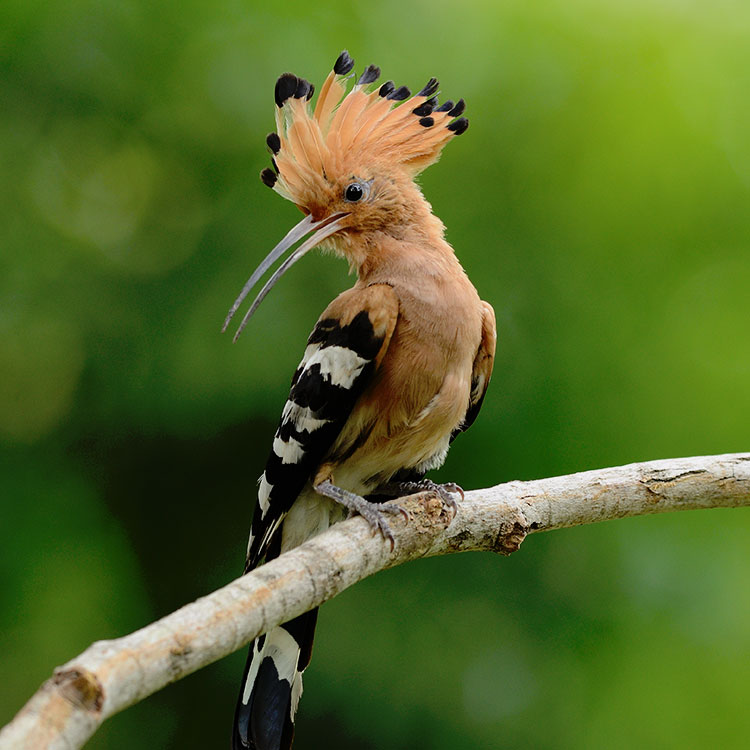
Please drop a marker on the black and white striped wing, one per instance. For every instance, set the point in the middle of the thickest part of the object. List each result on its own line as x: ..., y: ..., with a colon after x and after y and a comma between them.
x: 341, y: 356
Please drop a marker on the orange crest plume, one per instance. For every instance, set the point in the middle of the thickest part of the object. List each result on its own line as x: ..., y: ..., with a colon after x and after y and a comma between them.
x: 357, y: 133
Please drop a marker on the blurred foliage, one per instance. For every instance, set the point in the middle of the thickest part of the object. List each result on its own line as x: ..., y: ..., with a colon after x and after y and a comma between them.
x: 600, y: 201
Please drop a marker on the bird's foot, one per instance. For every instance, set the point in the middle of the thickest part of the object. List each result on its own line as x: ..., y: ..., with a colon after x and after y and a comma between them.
x: 444, y: 491
x: 373, y: 513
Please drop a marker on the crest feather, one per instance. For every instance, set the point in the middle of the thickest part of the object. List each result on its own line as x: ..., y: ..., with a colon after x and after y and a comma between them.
x: 384, y: 129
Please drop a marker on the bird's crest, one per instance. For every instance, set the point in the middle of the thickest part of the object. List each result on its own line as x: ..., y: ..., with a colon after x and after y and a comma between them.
x: 368, y: 129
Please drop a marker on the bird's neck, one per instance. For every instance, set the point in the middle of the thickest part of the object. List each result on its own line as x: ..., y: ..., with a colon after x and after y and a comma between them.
x: 388, y: 259
x: 408, y: 250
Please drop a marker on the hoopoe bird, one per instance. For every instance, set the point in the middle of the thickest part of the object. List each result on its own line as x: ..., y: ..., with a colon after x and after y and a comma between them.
x: 395, y: 367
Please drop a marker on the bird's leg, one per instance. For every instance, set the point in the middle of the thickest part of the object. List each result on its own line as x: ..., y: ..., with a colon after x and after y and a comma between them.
x: 444, y: 491
x: 373, y: 513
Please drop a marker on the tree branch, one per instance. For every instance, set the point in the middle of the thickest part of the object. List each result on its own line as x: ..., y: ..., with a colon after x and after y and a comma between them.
x: 112, y: 675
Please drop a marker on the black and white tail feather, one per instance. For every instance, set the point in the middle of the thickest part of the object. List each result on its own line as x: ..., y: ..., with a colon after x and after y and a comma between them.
x: 337, y: 365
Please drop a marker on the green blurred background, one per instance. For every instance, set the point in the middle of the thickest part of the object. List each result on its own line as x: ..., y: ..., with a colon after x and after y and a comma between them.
x: 600, y: 201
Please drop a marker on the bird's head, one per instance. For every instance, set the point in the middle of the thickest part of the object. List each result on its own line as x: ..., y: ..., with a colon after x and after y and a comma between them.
x: 349, y: 163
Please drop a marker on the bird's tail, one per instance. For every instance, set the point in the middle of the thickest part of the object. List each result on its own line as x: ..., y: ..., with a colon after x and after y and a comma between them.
x: 272, y: 685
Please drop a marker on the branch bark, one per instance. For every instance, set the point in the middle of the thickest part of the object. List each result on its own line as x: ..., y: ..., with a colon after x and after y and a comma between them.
x: 112, y: 675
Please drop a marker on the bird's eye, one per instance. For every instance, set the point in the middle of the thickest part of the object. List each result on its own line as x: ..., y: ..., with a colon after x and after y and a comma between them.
x: 354, y: 192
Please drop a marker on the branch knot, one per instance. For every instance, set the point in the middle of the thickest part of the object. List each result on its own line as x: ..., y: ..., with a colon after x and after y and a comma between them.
x: 80, y: 687
x: 511, y: 535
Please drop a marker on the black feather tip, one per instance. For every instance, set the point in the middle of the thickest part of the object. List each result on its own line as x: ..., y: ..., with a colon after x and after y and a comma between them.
x: 268, y: 177
x: 371, y: 74
x: 386, y: 88
x: 286, y: 87
x: 459, y: 126
x: 304, y: 89
x: 425, y: 108
x: 430, y: 88
x: 427, y: 122
x: 273, y: 142
x: 458, y: 109
x: 343, y: 64
x: 399, y: 94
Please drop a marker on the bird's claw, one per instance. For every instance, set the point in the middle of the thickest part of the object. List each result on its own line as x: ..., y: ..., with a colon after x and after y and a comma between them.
x: 373, y: 513
x: 444, y: 491
x: 392, y: 507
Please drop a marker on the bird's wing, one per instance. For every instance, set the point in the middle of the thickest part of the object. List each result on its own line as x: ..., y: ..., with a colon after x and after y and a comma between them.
x: 343, y: 352
x: 482, y: 369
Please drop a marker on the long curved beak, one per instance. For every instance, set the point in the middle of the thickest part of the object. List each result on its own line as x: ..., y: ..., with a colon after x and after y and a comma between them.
x: 321, y: 230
